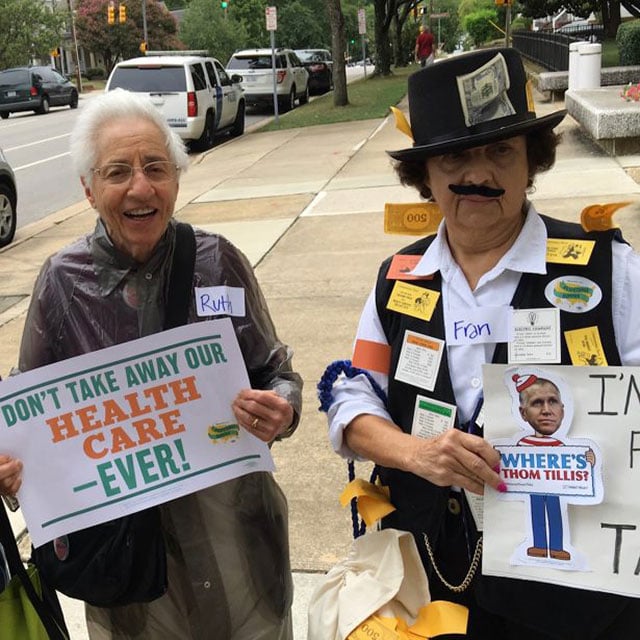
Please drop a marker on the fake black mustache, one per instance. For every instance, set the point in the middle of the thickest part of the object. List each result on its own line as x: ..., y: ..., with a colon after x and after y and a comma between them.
x: 475, y: 190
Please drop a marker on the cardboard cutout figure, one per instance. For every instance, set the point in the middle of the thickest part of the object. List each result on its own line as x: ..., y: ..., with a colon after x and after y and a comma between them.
x: 546, y: 468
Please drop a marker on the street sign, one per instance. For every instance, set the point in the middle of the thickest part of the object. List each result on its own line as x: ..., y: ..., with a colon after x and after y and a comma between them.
x: 272, y: 18
x: 362, y: 22
x: 436, y: 16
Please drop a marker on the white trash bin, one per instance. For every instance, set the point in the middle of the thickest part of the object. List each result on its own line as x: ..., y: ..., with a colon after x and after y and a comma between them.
x: 574, y: 61
x: 589, y: 65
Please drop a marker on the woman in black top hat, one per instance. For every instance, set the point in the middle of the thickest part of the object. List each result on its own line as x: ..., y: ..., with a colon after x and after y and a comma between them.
x: 478, y: 148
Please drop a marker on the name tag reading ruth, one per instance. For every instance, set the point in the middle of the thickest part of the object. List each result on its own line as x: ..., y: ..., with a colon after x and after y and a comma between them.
x: 219, y: 301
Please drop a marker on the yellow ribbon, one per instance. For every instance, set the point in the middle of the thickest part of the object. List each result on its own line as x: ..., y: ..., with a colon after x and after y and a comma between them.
x: 434, y: 619
x: 402, y: 123
x: 373, y: 500
x: 599, y: 217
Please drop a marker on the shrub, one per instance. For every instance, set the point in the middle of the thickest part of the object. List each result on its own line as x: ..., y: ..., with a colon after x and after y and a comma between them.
x: 521, y: 24
x: 95, y: 73
x: 628, y: 39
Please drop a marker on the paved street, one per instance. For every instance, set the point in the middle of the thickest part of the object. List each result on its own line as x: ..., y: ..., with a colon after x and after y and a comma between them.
x: 306, y: 206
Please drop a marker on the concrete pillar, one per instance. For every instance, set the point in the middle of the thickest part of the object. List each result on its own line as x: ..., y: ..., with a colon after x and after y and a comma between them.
x: 589, y: 65
x: 573, y: 65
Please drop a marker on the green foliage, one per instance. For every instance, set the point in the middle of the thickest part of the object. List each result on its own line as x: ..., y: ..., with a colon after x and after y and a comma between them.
x: 467, y: 7
x: 30, y: 30
x: 628, y: 40
x: 122, y: 41
x: 303, y: 26
x: 450, y: 29
x: 95, y: 73
x: 250, y: 14
x: 205, y: 26
x: 478, y: 25
x: 522, y: 23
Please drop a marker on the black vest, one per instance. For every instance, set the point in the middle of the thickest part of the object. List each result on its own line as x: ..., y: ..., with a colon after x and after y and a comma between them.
x: 422, y: 506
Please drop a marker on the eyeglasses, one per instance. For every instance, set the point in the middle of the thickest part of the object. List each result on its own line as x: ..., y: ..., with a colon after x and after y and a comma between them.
x: 158, y: 171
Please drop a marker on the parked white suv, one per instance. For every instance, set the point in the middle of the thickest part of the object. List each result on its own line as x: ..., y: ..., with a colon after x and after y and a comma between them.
x: 194, y: 92
x: 256, y: 68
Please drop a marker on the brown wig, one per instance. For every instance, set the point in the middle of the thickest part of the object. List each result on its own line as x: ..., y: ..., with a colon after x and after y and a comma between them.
x: 541, y: 156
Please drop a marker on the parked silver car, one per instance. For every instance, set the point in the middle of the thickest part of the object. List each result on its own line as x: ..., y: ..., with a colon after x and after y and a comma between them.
x: 8, y: 201
x: 256, y: 68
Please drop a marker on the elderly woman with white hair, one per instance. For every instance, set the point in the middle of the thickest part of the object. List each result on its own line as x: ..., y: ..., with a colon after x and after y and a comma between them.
x: 110, y: 287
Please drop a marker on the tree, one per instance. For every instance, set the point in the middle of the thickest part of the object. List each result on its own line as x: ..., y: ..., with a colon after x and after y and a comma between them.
x: 122, y: 41
x: 447, y: 31
x: 478, y: 25
x: 336, y: 19
x: 251, y: 15
x: 205, y: 26
x: 30, y: 31
x: 385, y: 11
x: 302, y: 26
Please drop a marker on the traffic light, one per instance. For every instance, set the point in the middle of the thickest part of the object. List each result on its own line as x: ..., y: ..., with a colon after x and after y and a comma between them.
x: 111, y: 13
x: 143, y: 47
x: 122, y: 13
x: 224, y: 4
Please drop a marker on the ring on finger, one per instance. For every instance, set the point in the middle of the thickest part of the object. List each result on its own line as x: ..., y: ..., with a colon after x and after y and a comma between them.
x: 254, y: 424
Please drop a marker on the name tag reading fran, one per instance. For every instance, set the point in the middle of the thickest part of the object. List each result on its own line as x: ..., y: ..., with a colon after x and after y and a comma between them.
x: 220, y: 301
x: 478, y: 325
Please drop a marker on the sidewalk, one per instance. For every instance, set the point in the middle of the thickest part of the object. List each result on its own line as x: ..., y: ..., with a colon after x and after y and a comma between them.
x: 305, y: 205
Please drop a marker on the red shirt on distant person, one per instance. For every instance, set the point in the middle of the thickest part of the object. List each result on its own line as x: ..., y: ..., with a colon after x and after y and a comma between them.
x: 424, y: 47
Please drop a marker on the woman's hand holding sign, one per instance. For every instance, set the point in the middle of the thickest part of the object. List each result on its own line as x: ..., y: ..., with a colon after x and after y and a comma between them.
x: 10, y: 475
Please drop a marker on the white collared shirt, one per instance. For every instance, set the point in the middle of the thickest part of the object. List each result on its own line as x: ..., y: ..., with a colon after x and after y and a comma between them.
x: 354, y: 396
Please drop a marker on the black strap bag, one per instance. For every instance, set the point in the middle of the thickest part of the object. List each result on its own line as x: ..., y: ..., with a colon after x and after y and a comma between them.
x: 122, y: 561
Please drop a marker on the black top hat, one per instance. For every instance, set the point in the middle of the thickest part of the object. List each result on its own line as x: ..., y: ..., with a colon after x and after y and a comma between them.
x: 468, y: 101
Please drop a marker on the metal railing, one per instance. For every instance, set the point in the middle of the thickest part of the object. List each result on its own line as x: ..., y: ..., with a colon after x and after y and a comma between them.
x: 551, y: 50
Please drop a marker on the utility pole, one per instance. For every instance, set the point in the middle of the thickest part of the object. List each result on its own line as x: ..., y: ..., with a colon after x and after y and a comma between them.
x: 144, y: 25
x: 75, y: 57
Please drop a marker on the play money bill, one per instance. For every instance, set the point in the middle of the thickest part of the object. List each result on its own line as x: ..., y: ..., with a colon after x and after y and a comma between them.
x: 483, y: 93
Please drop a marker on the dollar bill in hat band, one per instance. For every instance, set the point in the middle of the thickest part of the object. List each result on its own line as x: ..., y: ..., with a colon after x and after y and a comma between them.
x: 470, y: 100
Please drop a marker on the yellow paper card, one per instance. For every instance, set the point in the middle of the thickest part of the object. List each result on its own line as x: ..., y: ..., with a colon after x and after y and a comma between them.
x: 373, y: 628
x: 440, y: 617
x: 585, y: 347
x: 373, y: 500
x: 415, y: 219
x: 412, y: 300
x: 561, y: 251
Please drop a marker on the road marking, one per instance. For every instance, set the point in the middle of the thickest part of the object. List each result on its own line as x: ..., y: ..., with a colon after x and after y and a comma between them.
x: 32, y: 144
x: 33, y: 164
x: 308, y: 211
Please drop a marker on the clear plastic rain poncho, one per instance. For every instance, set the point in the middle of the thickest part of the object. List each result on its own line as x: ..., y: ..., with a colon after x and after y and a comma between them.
x: 227, y: 546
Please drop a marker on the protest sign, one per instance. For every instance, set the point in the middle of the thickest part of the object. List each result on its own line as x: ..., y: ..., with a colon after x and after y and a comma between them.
x: 571, y: 515
x: 124, y: 428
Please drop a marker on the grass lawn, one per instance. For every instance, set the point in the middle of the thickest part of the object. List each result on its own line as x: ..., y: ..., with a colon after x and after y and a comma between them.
x: 610, y: 55
x: 370, y: 98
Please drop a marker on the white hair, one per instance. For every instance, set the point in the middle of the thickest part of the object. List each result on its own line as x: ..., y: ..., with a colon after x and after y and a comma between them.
x: 110, y: 106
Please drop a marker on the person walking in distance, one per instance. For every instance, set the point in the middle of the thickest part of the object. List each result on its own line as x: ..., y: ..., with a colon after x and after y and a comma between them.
x: 424, y: 53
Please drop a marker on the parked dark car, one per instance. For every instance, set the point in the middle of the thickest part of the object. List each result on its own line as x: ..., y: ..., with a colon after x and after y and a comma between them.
x: 319, y: 65
x: 34, y: 89
x: 8, y: 202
